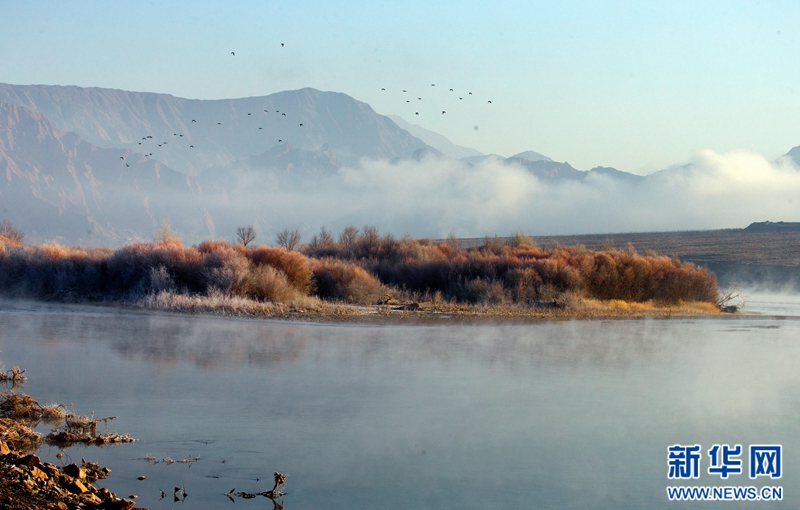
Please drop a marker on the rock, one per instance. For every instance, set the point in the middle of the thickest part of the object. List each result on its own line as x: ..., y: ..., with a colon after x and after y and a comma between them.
x: 29, y: 460
x: 75, y: 471
x: 38, y: 473
x: 76, y: 487
x: 4, y: 449
x: 122, y: 504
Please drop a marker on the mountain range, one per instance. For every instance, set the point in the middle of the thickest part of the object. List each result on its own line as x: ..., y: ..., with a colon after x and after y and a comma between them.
x: 99, y: 166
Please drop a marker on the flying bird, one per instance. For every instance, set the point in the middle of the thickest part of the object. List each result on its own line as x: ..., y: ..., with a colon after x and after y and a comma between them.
x: 383, y: 90
x: 460, y: 98
x: 301, y: 125
x: 433, y: 85
x: 194, y: 120
x: 279, y: 141
x: 408, y: 101
x: 470, y: 93
x: 451, y: 90
x: 443, y: 112
x: 404, y: 90
x: 219, y: 123
x: 261, y: 128
x: 127, y: 164
x: 416, y: 113
x: 281, y: 45
x: 234, y: 54
x: 490, y: 102
x: 121, y: 157
x: 191, y: 146
x: 248, y: 114
x: 283, y: 114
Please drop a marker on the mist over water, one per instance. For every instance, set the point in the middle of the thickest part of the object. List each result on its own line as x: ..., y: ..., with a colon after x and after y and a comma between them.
x: 433, y: 197
x: 572, y: 414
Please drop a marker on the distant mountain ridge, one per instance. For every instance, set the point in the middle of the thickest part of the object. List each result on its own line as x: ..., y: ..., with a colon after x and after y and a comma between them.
x: 58, y: 185
x: 435, y: 140
x: 220, y: 131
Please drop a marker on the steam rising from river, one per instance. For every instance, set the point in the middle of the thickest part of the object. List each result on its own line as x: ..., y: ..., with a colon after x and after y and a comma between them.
x: 433, y: 197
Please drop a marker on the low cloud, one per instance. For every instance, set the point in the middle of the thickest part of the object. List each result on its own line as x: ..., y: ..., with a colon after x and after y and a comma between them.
x: 432, y: 197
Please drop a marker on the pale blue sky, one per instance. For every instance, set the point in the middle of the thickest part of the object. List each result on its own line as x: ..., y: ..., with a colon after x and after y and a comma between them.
x: 634, y: 85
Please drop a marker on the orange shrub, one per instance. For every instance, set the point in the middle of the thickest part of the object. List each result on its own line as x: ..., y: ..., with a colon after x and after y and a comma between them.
x: 295, y: 266
x: 345, y: 281
x: 265, y: 283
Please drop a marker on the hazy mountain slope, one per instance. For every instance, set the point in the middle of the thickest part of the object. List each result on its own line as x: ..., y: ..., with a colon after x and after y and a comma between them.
x: 56, y: 185
x: 435, y: 140
x: 532, y: 156
x: 223, y: 131
x: 794, y: 155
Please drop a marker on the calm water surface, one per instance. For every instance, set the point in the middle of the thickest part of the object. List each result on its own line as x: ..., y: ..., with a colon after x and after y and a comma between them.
x: 553, y: 415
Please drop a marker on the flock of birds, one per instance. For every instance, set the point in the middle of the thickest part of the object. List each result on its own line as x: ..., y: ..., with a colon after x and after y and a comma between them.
x: 147, y: 140
x: 416, y: 113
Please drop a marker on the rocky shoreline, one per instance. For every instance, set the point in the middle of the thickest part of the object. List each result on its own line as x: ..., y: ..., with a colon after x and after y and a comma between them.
x: 28, y: 483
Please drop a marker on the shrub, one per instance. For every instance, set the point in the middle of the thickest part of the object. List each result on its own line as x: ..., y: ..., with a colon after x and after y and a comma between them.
x: 344, y: 281
x: 265, y: 283
x: 295, y: 266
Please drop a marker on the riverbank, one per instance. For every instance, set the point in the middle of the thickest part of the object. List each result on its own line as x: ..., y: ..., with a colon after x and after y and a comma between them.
x: 26, y: 482
x: 431, y: 312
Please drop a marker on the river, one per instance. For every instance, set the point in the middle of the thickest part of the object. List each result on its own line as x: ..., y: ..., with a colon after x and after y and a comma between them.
x: 572, y: 414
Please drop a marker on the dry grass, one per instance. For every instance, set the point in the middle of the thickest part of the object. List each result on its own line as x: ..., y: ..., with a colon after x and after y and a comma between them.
x: 224, y: 304
x: 15, y: 375
x: 83, y: 429
x: 18, y: 406
x: 18, y: 435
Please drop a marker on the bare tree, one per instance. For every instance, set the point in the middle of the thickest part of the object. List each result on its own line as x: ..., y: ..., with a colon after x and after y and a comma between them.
x: 289, y: 239
x: 10, y: 231
x: 246, y: 235
x: 348, y: 238
x: 165, y: 233
x: 322, y: 240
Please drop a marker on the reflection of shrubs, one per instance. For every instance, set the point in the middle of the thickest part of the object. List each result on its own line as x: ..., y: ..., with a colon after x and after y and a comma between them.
x: 344, y: 281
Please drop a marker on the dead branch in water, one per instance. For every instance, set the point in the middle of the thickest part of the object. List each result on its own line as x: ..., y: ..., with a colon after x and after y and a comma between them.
x: 15, y: 375
x: 83, y: 429
x: 732, y: 301
x: 280, y: 481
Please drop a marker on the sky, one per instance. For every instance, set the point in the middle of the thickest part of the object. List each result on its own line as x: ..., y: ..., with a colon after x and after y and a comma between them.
x: 639, y: 86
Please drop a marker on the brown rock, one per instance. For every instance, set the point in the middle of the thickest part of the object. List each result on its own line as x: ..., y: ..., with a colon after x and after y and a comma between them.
x: 76, y: 487
x: 4, y: 449
x: 121, y: 504
x: 38, y: 473
x: 29, y: 460
x: 75, y: 471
